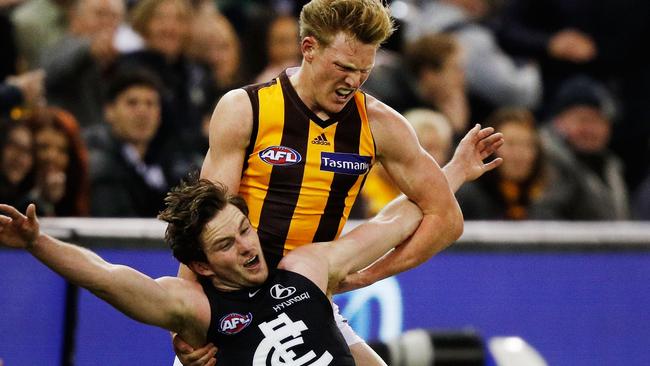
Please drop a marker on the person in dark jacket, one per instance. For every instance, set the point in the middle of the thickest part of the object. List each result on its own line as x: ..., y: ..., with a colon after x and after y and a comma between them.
x: 127, y: 175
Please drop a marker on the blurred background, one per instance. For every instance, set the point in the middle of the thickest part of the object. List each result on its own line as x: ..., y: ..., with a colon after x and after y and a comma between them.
x: 105, y: 104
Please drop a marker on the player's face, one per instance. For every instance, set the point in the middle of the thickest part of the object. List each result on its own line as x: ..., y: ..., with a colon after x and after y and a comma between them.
x: 233, y: 251
x: 338, y: 70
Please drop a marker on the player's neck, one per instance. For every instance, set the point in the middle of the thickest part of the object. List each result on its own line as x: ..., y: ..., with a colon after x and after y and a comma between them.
x: 301, y: 84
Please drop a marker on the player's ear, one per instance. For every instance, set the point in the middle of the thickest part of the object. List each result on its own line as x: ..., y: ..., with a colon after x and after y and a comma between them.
x: 308, y: 47
x: 201, y: 268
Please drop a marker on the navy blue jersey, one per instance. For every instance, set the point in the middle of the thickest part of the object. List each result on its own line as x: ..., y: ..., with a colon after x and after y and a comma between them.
x: 287, y: 320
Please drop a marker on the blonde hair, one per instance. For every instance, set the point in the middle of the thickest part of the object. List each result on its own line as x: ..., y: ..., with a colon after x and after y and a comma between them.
x: 368, y: 21
x: 423, y: 118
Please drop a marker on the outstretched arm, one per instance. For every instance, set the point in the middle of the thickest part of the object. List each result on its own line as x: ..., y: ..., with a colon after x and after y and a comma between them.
x: 326, y: 264
x: 157, y: 302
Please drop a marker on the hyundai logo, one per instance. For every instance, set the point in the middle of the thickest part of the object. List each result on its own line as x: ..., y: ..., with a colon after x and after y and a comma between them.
x: 280, y: 292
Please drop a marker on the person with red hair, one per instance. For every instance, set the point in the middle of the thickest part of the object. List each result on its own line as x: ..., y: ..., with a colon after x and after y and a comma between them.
x: 61, y: 161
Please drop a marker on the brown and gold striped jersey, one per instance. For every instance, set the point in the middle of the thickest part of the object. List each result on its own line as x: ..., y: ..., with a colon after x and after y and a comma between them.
x: 302, y: 174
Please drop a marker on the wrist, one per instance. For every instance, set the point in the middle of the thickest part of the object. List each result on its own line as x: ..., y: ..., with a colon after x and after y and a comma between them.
x: 33, y: 243
x: 455, y: 174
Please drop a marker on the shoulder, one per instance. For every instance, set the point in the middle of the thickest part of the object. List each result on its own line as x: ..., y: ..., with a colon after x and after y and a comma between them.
x: 389, y: 128
x: 236, y: 98
x: 233, y: 109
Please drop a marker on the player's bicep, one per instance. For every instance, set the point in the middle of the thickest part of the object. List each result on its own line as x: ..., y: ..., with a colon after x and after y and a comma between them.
x: 412, y: 169
x: 230, y: 132
x: 141, y: 297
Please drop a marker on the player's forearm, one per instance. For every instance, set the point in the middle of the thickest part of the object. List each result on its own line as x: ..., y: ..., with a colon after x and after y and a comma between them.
x: 432, y: 236
x: 78, y: 265
x: 455, y: 175
x: 371, y: 240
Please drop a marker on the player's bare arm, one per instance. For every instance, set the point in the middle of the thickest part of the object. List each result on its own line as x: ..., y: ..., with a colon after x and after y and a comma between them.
x: 326, y: 264
x: 169, y: 302
x: 417, y: 175
x: 230, y: 130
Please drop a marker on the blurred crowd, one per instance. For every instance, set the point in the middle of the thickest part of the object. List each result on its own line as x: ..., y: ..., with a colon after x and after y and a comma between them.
x: 105, y: 104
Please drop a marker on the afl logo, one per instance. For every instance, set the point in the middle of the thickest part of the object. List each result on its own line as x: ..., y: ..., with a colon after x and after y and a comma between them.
x: 280, y: 292
x: 234, y: 323
x: 280, y: 155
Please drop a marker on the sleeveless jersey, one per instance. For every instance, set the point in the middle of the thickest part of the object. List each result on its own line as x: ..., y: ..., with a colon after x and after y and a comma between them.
x: 302, y: 174
x: 286, y: 321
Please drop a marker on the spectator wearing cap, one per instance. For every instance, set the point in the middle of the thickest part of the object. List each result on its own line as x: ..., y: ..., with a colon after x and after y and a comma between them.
x: 576, y: 140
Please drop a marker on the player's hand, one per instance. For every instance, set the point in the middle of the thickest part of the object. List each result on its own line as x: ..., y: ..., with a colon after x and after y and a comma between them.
x: 189, y: 356
x: 16, y: 229
x: 475, y: 147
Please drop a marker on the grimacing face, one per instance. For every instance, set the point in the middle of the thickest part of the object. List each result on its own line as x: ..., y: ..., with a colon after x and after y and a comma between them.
x: 233, y: 250
x: 336, y: 72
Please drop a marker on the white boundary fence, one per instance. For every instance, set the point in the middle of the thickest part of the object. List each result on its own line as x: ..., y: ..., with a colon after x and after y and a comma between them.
x: 488, y: 235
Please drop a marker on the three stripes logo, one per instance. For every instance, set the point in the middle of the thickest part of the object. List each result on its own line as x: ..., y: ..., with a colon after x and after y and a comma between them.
x: 320, y: 140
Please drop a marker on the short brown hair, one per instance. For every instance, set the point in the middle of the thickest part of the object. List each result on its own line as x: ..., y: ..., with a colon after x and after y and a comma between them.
x: 369, y: 21
x: 430, y: 51
x: 189, y: 206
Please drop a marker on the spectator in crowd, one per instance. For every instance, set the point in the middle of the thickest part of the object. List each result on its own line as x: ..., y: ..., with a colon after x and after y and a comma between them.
x: 576, y: 140
x: 61, y: 185
x: 127, y: 174
x: 282, y: 47
x: 434, y: 79
x: 78, y: 65
x: 522, y: 187
x: 165, y: 27
x: 435, y: 135
x: 216, y: 45
x: 38, y: 25
x: 493, y: 77
x: 24, y: 90
x: 16, y: 161
x: 601, y: 39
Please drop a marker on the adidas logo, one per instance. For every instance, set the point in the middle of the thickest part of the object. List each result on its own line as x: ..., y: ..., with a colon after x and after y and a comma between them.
x: 320, y: 140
